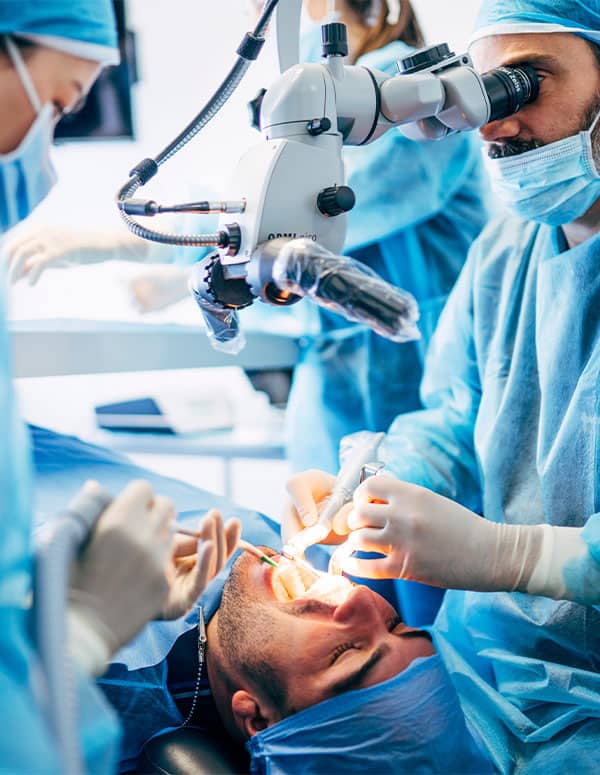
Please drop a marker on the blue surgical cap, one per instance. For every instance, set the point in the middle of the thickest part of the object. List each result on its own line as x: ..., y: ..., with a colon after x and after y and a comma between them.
x: 83, y: 28
x: 411, y: 723
x: 502, y: 17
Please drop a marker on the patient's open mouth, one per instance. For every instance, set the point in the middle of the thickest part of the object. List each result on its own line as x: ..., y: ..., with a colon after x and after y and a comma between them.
x: 293, y: 581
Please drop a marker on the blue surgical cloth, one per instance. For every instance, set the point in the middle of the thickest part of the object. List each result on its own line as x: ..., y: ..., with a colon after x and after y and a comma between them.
x: 511, y: 429
x: 418, y: 208
x: 26, y: 744
x: 411, y: 723
x: 501, y: 17
x: 83, y: 28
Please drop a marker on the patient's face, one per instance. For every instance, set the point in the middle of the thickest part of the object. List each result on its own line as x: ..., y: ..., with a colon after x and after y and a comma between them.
x: 314, y: 643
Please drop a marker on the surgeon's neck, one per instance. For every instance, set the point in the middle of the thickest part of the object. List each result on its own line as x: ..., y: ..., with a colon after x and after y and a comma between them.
x: 583, y: 228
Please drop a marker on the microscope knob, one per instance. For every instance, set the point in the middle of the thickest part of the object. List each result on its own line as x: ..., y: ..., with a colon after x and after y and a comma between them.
x: 336, y: 200
x: 229, y: 294
x: 318, y: 126
x: 254, y: 107
x: 424, y: 58
x: 335, y: 39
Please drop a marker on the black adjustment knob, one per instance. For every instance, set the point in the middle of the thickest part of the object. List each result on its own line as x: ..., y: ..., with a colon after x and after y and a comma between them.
x: 254, y: 107
x: 335, y: 40
x: 424, y: 58
x: 336, y: 200
x: 317, y: 126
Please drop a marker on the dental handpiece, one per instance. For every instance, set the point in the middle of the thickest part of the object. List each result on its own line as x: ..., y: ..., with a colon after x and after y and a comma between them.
x: 346, y: 482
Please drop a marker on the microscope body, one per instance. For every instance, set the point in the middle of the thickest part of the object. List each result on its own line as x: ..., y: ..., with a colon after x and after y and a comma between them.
x: 293, y: 183
x: 288, y: 192
x: 281, y: 178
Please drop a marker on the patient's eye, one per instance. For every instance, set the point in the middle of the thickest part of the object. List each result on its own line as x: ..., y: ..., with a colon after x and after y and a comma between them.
x: 342, y: 650
x: 394, y: 622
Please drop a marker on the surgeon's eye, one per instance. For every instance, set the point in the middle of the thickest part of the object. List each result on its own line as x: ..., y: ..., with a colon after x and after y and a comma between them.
x: 342, y: 650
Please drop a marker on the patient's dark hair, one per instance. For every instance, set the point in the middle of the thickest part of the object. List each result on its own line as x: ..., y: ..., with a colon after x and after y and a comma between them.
x: 240, y: 629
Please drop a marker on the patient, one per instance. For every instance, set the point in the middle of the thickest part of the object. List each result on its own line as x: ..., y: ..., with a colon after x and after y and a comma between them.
x: 283, y: 645
x: 268, y: 659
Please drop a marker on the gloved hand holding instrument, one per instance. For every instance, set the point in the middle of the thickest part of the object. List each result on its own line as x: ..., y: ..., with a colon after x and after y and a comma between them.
x: 428, y: 538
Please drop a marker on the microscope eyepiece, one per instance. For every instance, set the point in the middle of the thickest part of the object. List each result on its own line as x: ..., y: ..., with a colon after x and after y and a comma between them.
x: 509, y: 88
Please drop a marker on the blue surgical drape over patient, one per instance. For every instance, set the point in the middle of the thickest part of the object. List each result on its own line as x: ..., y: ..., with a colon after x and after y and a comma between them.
x: 418, y: 208
x: 512, y: 428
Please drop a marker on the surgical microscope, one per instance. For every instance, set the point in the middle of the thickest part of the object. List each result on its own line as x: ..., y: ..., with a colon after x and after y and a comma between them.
x: 283, y: 225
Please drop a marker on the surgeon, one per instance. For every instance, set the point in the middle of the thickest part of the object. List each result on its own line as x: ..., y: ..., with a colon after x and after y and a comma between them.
x: 130, y: 570
x: 510, y: 427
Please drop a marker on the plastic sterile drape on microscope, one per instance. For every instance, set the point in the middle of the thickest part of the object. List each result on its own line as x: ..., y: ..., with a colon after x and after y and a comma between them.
x: 346, y: 287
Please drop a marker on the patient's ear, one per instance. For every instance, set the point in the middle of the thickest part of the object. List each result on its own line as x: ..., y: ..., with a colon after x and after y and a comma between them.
x: 250, y: 714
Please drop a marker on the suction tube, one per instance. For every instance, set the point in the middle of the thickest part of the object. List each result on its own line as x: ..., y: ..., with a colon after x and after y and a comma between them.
x: 57, y: 546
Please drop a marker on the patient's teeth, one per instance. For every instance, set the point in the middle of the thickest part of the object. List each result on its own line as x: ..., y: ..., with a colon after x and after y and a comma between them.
x: 330, y: 589
x: 292, y: 581
x: 288, y: 576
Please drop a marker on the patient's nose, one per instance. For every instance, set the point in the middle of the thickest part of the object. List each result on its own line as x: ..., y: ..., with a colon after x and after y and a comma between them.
x: 360, y: 611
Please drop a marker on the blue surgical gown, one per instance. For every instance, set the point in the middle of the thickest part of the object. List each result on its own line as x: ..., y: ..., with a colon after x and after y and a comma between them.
x: 418, y: 208
x: 26, y: 743
x: 511, y: 428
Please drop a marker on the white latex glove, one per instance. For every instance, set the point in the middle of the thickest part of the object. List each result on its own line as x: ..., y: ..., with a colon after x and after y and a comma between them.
x: 426, y: 537
x: 159, y: 287
x: 119, y: 581
x: 308, y: 493
x: 195, y: 562
x: 29, y: 253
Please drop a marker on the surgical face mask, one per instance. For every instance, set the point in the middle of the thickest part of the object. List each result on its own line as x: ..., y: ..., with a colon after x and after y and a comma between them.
x: 554, y: 184
x: 26, y: 174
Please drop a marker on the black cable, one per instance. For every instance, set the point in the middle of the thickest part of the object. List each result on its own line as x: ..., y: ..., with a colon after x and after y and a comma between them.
x: 247, y: 52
